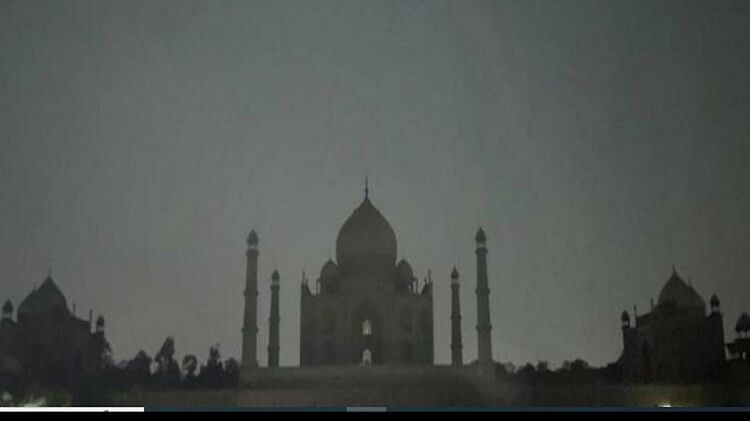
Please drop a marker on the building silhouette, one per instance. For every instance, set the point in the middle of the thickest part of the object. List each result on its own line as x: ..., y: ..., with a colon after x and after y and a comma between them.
x: 47, y: 344
x: 739, y: 349
x: 676, y: 341
x: 365, y: 308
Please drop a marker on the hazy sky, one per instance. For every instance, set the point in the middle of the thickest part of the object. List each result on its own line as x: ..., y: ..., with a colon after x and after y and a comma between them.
x: 597, y: 142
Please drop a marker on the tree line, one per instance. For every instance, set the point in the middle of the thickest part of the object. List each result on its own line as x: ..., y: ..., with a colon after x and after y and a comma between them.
x: 164, y: 372
x: 575, y: 371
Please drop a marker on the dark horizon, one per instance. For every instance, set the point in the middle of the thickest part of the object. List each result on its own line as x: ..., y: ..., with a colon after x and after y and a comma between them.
x: 597, y: 143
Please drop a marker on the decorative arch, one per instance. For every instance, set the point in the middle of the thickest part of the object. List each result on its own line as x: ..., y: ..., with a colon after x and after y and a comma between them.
x: 329, y: 353
x: 366, y: 327
x: 366, y: 357
x: 646, y: 373
x: 406, y: 352
x: 405, y: 320
x: 329, y: 321
x: 426, y: 320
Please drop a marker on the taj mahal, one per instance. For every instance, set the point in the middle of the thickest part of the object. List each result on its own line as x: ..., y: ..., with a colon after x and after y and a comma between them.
x: 365, y: 308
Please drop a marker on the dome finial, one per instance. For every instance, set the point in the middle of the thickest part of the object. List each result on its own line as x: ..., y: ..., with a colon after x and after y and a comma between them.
x: 7, y: 309
x: 367, y: 188
x: 674, y: 270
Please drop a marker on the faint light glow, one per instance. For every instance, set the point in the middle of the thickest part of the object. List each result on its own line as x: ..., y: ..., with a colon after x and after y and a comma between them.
x: 36, y: 402
x: 665, y: 405
x: 366, y: 328
x: 5, y: 398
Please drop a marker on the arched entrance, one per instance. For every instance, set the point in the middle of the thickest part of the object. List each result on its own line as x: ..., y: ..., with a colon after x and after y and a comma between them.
x: 646, y: 363
x: 366, y: 335
x: 366, y: 328
x: 366, y: 357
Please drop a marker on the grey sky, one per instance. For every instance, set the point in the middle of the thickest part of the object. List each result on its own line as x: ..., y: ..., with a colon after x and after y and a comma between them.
x: 597, y: 142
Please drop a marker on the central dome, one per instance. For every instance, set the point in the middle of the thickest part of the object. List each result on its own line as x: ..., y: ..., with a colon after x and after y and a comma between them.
x: 366, y: 242
x: 48, y: 299
x: 679, y: 294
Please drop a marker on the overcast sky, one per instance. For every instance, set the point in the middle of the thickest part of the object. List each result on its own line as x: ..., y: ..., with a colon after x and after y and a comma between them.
x: 597, y: 143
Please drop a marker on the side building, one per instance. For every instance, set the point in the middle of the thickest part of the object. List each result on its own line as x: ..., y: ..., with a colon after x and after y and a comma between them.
x: 676, y: 342
x: 47, y: 344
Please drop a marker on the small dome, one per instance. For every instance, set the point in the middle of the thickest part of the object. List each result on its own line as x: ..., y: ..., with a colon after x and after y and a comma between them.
x: 252, y: 239
x: 8, y: 307
x: 743, y: 323
x: 625, y: 317
x: 714, y: 301
x: 329, y: 270
x: 45, y: 300
x: 454, y: 273
x: 275, y: 275
x: 404, y: 271
x: 679, y: 294
x: 481, y: 237
x: 100, y: 321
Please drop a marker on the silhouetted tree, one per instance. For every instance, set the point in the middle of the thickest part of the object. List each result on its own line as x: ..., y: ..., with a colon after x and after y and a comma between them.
x: 189, y: 367
x: 212, y: 374
x: 578, y: 366
x: 612, y: 373
x: 578, y: 371
x: 527, y: 373
x: 231, y: 373
x: 93, y: 386
x: 167, y: 371
x: 139, y: 370
x: 105, y: 356
x: 504, y: 369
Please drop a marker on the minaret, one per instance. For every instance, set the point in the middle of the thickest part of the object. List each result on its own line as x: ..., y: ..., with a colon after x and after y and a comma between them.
x: 625, y: 326
x: 273, y: 333
x: 250, y: 320
x: 100, y: 325
x: 625, y: 323
x: 6, y: 326
x: 7, y: 310
x: 483, y: 303
x: 457, y: 358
